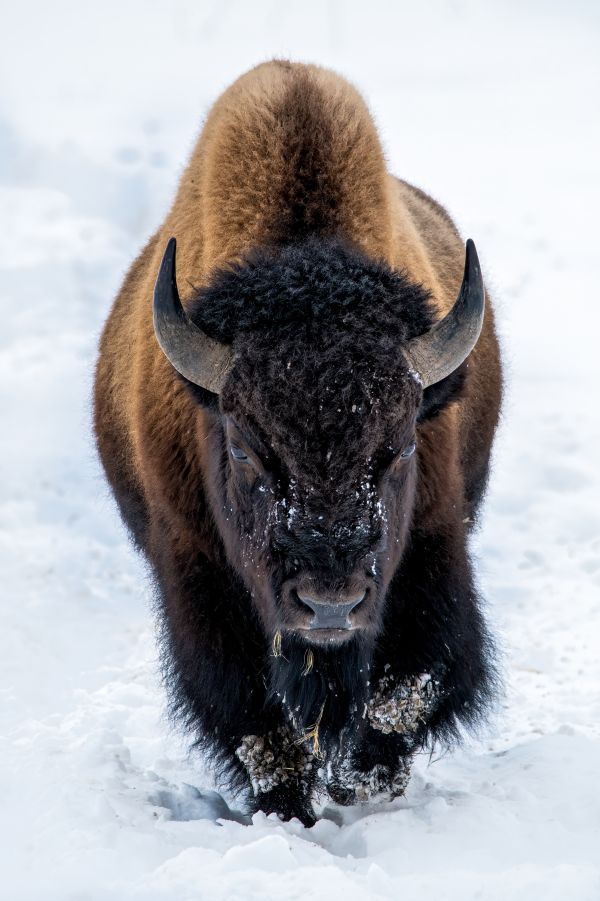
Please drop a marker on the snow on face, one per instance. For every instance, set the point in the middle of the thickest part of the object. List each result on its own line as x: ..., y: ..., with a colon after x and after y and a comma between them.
x: 326, y: 427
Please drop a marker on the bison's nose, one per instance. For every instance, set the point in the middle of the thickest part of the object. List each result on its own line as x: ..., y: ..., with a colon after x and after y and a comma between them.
x: 329, y: 613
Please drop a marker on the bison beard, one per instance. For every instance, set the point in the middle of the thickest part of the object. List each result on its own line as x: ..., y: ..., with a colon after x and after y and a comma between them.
x: 327, y: 697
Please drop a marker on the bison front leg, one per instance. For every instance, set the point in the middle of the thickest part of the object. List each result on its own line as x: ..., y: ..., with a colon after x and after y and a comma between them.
x: 377, y: 763
x: 282, y: 774
x: 433, y: 671
x: 378, y: 769
x: 215, y: 657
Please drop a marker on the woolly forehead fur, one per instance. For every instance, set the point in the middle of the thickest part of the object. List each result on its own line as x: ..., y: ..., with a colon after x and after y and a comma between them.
x: 318, y: 331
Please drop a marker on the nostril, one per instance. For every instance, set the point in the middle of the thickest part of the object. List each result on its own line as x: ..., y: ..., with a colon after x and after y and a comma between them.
x: 304, y: 600
x: 351, y: 603
x: 356, y: 600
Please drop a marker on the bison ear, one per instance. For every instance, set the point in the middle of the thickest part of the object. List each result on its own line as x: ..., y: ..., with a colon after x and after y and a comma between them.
x: 444, y: 347
x: 200, y: 359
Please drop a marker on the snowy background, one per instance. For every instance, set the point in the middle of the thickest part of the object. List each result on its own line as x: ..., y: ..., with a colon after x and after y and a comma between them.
x: 493, y: 109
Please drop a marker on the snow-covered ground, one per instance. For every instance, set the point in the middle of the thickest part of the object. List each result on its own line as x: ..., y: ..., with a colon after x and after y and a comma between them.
x: 492, y: 108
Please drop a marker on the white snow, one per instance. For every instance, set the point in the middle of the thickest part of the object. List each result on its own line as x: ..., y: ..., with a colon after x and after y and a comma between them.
x: 491, y: 107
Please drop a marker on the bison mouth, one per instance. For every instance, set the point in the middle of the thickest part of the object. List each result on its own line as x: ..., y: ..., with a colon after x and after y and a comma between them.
x: 325, y: 637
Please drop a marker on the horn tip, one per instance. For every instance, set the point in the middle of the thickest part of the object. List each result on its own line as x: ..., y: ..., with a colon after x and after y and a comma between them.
x: 471, y: 249
x: 472, y: 264
x: 169, y: 253
x: 167, y: 266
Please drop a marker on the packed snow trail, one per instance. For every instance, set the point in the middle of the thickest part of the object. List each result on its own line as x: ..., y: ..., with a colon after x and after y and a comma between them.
x: 487, y: 106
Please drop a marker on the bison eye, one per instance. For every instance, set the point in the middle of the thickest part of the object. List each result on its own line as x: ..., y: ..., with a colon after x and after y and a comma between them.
x: 408, y: 451
x: 238, y: 454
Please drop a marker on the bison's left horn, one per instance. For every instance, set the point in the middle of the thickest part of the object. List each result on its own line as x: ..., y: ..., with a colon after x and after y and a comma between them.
x: 201, y: 359
x: 444, y: 347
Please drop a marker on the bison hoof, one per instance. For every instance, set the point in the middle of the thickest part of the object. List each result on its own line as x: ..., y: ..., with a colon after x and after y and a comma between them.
x: 381, y: 783
x: 286, y: 805
x: 341, y: 794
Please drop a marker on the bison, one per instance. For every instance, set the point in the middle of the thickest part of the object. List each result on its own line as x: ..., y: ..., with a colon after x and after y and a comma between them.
x: 297, y: 427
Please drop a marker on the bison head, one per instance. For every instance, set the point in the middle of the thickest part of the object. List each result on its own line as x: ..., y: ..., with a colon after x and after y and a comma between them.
x: 319, y: 365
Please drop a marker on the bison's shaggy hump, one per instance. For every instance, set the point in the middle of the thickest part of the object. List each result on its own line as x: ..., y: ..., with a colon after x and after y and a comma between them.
x: 291, y: 151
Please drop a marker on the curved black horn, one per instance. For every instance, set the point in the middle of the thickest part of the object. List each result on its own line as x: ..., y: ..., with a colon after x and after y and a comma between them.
x: 444, y: 347
x: 201, y: 359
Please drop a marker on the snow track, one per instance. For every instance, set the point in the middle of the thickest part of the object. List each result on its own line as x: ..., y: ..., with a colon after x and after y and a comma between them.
x: 487, y: 106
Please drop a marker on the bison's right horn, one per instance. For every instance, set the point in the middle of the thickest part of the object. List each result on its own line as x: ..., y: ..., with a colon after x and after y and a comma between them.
x: 443, y: 348
x: 200, y: 359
